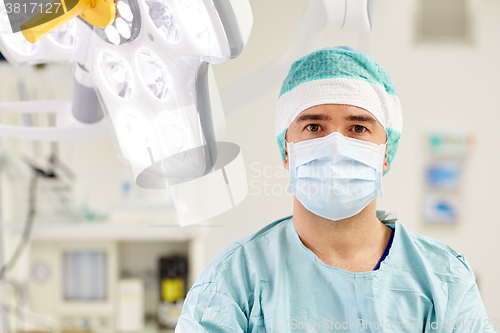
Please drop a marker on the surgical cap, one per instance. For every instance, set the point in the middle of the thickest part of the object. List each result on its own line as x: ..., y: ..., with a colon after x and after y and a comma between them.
x: 340, y: 75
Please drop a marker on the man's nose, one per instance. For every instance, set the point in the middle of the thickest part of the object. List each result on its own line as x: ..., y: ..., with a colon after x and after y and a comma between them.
x: 340, y: 130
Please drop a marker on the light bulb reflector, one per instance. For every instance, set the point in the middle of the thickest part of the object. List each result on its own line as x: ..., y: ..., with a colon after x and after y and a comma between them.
x: 66, y: 35
x: 124, y: 11
x: 20, y: 45
x: 16, y: 41
x: 134, y: 136
x: 172, y: 131
x: 154, y: 74
x: 116, y: 74
x: 164, y: 20
x: 123, y: 28
x: 112, y: 35
x: 194, y: 15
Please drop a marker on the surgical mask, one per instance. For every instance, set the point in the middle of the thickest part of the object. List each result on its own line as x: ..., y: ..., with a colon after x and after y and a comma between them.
x: 334, y: 176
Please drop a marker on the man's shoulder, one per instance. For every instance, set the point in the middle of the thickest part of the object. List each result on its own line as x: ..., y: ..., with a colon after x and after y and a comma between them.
x: 272, y: 229
x: 428, y: 243
x: 241, y: 253
x: 442, y: 260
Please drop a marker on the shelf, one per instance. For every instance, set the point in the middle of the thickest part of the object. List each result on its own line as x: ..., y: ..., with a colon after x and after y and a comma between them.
x: 109, y: 231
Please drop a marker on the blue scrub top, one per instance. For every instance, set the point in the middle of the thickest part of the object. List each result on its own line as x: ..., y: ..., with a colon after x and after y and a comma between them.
x: 270, y: 282
x: 386, y: 251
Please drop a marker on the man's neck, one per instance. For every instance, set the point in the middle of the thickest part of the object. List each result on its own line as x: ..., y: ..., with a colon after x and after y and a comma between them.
x: 354, y: 244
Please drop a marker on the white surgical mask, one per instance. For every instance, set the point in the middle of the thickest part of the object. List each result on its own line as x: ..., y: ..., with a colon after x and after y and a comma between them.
x: 334, y: 176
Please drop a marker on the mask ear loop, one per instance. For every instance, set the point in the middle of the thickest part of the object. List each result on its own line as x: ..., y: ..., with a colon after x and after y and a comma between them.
x: 380, y: 191
x: 291, y: 168
x: 385, y: 145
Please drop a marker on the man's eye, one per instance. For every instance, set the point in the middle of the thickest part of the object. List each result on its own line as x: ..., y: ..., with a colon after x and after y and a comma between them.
x: 313, y: 127
x: 359, y: 129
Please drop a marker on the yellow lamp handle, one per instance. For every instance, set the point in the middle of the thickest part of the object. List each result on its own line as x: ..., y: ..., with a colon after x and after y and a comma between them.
x: 47, y: 21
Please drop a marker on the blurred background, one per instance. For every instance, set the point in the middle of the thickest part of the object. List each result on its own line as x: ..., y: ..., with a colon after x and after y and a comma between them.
x: 105, y: 255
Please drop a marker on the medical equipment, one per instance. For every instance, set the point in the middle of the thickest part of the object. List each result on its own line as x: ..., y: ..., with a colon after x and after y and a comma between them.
x: 446, y: 167
x: 173, y: 278
x: 442, y: 208
x: 149, y: 73
x: 445, y: 21
x: 74, y: 120
x: 75, y: 282
x: 126, y: 258
x: 14, y: 298
x: 130, y: 306
x: 48, y: 189
x: 173, y: 281
x: 444, y: 175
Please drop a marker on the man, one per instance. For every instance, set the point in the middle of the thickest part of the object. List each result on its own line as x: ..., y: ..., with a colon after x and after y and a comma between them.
x: 336, y: 263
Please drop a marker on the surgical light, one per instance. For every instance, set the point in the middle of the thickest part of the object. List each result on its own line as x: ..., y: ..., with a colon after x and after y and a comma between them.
x: 124, y: 11
x: 16, y: 42
x: 99, y: 13
x: 134, y: 133
x: 123, y: 28
x: 164, y: 20
x: 19, y: 45
x: 203, y: 30
x: 112, y: 35
x: 76, y: 120
x: 126, y: 27
x: 169, y: 125
x: 154, y: 74
x: 59, y: 47
x: 65, y: 36
x: 116, y: 73
x: 169, y: 122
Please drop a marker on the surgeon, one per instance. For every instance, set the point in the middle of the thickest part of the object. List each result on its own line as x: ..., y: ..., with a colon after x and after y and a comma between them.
x: 336, y: 264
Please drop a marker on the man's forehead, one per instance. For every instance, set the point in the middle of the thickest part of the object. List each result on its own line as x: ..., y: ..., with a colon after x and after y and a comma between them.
x: 327, y: 112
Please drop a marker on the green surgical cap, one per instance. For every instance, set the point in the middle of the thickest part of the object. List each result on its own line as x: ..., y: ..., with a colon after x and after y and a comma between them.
x: 340, y: 75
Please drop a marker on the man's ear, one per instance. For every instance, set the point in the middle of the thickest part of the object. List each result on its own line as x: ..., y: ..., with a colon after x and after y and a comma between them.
x: 385, y: 167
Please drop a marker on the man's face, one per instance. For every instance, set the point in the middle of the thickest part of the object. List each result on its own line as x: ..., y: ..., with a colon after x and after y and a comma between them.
x: 348, y: 120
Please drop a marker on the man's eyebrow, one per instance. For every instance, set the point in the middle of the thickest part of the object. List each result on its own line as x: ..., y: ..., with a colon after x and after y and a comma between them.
x: 361, y: 118
x: 312, y: 116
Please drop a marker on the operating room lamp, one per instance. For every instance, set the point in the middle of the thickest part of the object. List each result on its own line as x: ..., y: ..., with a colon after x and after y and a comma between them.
x: 148, y: 73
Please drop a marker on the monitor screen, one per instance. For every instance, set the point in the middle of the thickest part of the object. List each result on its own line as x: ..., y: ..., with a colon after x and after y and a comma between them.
x: 85, y: 276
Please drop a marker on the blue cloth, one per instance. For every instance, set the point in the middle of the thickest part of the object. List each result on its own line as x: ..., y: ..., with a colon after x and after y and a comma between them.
x: 386, y: 251
x: 270, y: 282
